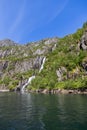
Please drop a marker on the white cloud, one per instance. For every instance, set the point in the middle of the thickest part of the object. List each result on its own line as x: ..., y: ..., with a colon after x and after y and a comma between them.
x: 32, y: 20
x: 58, y: 10
x: 19, y: 18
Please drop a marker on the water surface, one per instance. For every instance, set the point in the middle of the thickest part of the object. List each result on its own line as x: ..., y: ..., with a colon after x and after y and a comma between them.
x: 42, y: 112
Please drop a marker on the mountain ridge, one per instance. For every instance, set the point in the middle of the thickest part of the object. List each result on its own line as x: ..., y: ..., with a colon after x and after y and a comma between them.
x: 64, y: 68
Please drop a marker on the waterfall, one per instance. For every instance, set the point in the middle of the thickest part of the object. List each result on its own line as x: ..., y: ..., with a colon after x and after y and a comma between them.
x: 33, y: 77
x: 43, y: 62
x: 28, y: 82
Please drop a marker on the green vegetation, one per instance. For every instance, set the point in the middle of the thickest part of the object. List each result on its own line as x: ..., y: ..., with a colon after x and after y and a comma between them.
x: 78, y: 83
x: 67, y: 57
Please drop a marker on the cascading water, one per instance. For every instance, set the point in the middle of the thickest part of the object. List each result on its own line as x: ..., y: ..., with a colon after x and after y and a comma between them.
x: 33, y: 77
x: 28, y: 82
x: 43, y: 62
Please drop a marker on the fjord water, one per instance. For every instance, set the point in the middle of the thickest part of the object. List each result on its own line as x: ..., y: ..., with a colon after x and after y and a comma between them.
x: 42, y: 112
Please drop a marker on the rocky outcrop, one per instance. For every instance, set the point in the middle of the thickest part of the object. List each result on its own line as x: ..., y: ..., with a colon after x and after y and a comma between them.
x: 3, y: 65
x: 37, y: 62
x: 23, y: 66
x: 60, y: 73
x: 40, y: 52
x: 19, y: 62
x: 59, y: 91
x: 51, y: 40
x: 84, y: 64
x: 4, y: 53
x: 48, y: 46
x: 83, y: 42
x: 7, y: 42
x: 54, y: 47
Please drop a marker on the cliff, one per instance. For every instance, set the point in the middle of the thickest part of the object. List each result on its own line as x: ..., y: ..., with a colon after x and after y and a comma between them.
x: 65, y: 65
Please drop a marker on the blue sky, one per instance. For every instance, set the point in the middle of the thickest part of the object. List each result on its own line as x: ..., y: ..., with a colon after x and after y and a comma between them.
x: 32, y: 20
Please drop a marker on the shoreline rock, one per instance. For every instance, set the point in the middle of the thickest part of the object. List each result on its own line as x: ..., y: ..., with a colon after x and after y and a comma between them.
x: 53, y: 91
x: 58, y: 91
x: 4, y: 90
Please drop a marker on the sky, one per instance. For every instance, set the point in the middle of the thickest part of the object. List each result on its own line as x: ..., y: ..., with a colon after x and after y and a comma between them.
x: 26, y: 21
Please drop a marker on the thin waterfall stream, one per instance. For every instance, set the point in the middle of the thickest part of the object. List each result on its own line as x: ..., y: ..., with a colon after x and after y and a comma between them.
x: 42, y: 66
x: 28, y: 82
x: 33, y: 77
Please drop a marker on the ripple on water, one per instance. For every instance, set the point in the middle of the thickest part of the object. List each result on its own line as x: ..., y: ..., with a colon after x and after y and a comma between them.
x: 42, y: 112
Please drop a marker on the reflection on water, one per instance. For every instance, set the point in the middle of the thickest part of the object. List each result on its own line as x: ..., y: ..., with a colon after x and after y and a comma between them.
x: 42, y: 112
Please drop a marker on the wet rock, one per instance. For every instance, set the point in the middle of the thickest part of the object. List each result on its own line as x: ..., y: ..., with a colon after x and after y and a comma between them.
x: 63, y: 91
x: 70, y: 91
x: 45, y: 91
x: 37, y: 62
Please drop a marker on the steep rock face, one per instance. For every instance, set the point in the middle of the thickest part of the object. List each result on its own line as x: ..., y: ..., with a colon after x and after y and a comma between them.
x: 37, y: 62
x: 23, y: 66
x: 83, y: 42
x: 18, y: 62
x: 63, y: 63
x: 5, y: 53
x: 20, y: 66
x: 26, y: 65
x: 3, y: 65
x: 60, y: 73
x: 48, y: 45
x: 84, y: 64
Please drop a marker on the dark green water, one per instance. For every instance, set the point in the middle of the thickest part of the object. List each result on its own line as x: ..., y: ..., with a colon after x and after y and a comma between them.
x: 42, y: 112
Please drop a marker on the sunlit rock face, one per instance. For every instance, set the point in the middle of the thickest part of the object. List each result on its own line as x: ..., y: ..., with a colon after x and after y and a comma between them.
x: 60, y: 73
x: 19, y: 62
x: 48, y: 62
x: 7, y: 42
x: 51, y: 40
